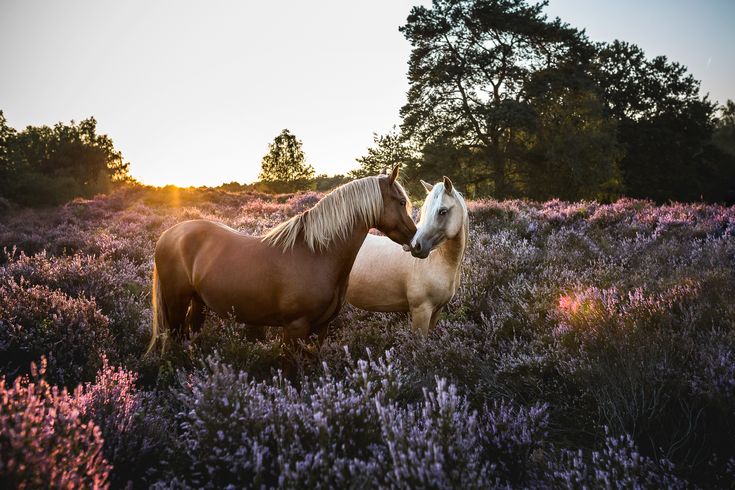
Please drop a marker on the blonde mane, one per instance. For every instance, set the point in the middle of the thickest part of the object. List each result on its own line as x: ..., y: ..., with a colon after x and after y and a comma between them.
x: 333, y: 217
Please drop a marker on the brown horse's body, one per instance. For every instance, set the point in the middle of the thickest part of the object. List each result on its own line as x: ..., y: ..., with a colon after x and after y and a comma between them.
x: 297, y: 285
x: 259, y: 284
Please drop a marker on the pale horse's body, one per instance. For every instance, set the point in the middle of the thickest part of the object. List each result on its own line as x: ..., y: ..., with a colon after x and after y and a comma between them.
x: 423, y: 285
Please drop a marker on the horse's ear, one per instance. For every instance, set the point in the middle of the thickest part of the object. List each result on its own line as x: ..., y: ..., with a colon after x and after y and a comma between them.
x: 383, y: 172
x: 448, y: 185
x: 394, y: 173
x: 427, y: 186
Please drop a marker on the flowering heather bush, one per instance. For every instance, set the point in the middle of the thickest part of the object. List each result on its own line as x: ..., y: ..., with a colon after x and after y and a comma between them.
x: 129, y: 421
x: 303, y: 201
x: 347, y: 430
x: 618, y: 465
x: 36, y: 321
x: 119, y: 288
x: 588, y: 345
x: 44, y: 442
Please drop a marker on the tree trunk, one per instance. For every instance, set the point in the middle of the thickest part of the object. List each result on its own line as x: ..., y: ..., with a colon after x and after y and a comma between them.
x: 497, y: 161
x: 501, y: 184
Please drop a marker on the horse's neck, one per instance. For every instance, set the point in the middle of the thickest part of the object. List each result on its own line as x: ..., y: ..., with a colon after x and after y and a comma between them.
x: 346, y: 250
x: 451, y: 252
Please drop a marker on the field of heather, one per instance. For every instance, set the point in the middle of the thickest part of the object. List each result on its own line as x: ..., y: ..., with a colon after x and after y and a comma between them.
x: 589, y: 346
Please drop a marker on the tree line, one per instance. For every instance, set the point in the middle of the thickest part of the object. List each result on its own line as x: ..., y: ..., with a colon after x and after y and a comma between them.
x: 43, y: 165
x: 514, y: 104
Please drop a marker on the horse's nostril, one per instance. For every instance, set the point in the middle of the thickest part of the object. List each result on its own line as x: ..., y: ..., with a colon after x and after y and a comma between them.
x: 417, y: 247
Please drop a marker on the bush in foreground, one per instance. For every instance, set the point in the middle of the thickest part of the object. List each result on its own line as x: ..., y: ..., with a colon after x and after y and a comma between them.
x: 36, y: 321
x: 345, y: 430
x: 44, y: 442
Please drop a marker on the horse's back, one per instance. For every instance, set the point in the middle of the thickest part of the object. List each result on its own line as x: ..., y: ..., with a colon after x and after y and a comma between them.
x: 379, y: 276
x: 190, y: 233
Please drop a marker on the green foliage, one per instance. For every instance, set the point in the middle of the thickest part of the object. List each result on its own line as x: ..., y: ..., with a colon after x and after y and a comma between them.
x: 468, y: 73
x: 724, y: 135
x: 390, y: 148
x: 723, y: 141
x: 44, y: 165
x: 664, y: 125
x: 574, y: 151
x: 284, y: 167
x: 511, y: 103
x: 325, y: 183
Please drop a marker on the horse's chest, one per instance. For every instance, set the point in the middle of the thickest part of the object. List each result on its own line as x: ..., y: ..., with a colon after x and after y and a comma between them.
x: 436, y: 288
x: 444, y: 295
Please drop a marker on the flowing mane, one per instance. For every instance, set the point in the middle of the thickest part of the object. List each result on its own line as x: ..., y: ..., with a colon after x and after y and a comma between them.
x: 333, y: 217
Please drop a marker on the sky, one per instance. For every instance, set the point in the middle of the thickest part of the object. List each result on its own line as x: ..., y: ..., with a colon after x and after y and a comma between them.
x: 192, y: 92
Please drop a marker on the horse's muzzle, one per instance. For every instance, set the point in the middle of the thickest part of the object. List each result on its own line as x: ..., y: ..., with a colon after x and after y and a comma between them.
x: 419, y: 249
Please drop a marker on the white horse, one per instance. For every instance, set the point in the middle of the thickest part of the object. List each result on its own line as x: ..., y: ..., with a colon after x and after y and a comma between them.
x: 385, y: 278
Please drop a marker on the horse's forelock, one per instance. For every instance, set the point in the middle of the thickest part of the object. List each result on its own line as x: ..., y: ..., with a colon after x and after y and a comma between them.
x: 433, y: 200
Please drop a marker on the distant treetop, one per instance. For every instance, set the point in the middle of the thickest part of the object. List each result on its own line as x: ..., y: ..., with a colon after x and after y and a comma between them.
x: 284, y: 166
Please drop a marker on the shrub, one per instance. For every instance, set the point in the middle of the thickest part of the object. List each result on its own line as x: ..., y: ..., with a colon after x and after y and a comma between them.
x: 347, y: 430
x: 570, y: 317
x: 119, y: 288
x: 233, y: 344
x: 131, y: 422
x: 619, y: 465
x: 43, y: 440
x: 36, y: 321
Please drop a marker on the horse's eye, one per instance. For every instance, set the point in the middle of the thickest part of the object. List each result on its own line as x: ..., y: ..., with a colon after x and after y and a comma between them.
x: 443, y: 211
x: 403, y: 202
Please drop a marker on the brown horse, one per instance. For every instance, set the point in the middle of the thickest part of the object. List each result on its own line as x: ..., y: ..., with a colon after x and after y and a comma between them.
x: 295, y: 276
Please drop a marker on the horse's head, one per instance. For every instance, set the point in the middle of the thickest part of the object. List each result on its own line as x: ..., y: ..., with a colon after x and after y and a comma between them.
x: 395, y: 221
x: 442, y: 217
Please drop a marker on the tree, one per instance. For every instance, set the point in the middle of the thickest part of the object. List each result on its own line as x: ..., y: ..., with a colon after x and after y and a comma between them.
x: 470, y: 70
x: 465, y: 165
x: 724, y: 136
x: 325, y: 183
x: 574, y: 152
x: 664, y: 125
x: 44, y: 165
x: 284, y: 167
x: 721, y: 185
x: 388, y: 149
x: 7, y: 163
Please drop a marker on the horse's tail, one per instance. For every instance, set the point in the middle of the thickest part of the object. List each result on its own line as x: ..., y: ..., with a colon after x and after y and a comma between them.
x: 160, y: 323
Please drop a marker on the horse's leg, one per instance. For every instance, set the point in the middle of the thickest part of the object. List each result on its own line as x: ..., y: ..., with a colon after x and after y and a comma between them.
x: 435, y: 318
x: 195, y: 316
x: 177, y: 306
x: 176, y: 294
x: 292, y: 333
x: 295, y: 331
x: 321, y: 332
x: 421, y: 317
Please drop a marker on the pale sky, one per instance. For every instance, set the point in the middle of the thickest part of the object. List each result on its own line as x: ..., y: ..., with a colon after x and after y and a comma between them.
x: 193, y: 92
